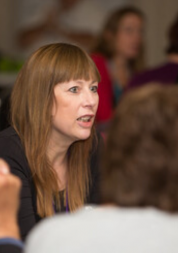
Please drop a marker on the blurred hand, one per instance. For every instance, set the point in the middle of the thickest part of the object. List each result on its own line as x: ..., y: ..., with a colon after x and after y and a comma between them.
x: 9, y: 201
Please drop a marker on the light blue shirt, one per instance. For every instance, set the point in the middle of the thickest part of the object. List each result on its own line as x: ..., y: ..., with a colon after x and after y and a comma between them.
x: 12, y: 241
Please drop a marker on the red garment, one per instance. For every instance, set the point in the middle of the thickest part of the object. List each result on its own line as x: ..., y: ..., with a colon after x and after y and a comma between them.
x: 105, y: 92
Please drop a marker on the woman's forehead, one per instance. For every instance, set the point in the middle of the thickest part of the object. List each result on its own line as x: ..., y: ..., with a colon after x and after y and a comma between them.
x: 79, y: 82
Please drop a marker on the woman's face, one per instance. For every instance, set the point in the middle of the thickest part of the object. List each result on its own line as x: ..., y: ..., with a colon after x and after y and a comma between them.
x: 128, y: 39
x: 74, y: 109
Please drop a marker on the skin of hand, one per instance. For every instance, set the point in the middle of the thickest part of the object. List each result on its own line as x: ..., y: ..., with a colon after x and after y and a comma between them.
x: 10, y: 186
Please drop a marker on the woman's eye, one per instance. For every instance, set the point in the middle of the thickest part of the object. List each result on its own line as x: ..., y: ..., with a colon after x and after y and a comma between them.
x: 94, y: 88
x: 74, y: 89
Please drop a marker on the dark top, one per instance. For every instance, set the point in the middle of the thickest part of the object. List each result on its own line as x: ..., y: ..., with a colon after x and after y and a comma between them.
x: 165, y: 74
x: 12, y: 152
x: 10, y: 245
x: 10, y: 248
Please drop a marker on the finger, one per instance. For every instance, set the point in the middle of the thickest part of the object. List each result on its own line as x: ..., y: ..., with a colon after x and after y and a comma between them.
x: 4, y: 168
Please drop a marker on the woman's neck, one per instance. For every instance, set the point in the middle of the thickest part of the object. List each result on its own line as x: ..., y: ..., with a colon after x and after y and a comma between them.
x: 121, y: 70
x: 120, y: 62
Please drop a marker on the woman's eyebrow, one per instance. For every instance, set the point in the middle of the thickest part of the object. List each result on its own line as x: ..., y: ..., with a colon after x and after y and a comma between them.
x: 81, y: 81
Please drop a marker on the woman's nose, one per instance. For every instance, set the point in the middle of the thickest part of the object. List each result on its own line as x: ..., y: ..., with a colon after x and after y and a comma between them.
x: 90, y: 99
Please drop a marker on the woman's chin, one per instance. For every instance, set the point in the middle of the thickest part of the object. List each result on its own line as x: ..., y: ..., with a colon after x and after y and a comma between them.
x: 85, y: 134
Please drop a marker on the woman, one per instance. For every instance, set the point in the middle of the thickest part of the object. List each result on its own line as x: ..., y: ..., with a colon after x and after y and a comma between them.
x: 165, y: 73
x: 118, y: 55
x: 52, y: 139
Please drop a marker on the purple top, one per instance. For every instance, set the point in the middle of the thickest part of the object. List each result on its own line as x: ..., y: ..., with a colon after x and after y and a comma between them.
x: 165, y: 74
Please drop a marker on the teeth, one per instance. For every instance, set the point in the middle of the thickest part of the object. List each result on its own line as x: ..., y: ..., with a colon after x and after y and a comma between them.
x: 84, y: 119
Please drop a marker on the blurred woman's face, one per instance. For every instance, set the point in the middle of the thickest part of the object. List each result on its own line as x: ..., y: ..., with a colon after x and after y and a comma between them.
x: 128, y: 39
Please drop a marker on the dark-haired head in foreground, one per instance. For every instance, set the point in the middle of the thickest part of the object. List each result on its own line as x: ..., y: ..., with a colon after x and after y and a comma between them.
x: 141, y: 160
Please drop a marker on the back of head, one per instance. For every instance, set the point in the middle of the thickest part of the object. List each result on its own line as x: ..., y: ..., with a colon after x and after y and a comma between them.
x: 141, y: 165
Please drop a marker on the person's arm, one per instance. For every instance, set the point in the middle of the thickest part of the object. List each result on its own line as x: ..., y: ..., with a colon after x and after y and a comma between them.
x: 9, y: 204
x: 12, y: 152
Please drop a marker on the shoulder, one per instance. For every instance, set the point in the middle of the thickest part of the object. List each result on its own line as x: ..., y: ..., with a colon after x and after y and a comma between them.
x: 68, y: 227
x: 58, y: 226
x: 10, y: 142
x: 102, y: 66
x: 9, y: 136
x: 12, y: 151
x: 155, y: 229
x: 162, y: 73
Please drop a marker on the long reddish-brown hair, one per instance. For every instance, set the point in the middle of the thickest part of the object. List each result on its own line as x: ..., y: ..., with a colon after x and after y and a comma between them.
x: 31, y: 105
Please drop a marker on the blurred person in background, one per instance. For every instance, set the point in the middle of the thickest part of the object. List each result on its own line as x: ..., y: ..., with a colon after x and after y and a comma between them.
x: 139, y: 187
x: 166, y: 73
x: 118, y: 54
x: 50, y: 21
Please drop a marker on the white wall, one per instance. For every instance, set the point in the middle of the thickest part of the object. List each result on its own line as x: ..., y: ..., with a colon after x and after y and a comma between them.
x: 160, y: 14
x: 7, y: 33
x: 8, y: 16
x: 111, y: 4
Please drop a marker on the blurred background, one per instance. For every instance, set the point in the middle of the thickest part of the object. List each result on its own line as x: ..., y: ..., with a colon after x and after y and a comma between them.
x: 159, y: 14
x: 23, y: 23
